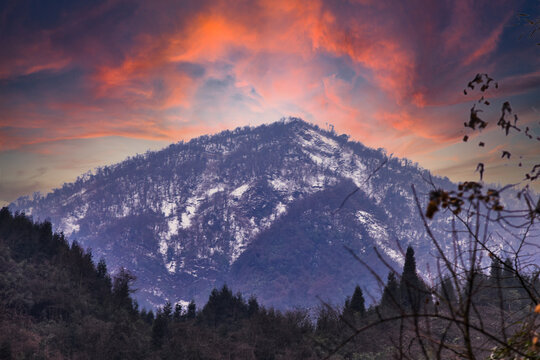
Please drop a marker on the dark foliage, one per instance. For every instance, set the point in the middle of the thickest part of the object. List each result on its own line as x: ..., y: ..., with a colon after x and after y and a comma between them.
x: 55, y: 303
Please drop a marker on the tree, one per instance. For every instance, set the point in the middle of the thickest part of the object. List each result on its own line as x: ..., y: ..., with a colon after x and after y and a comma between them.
x: 253, y: 306
x: 470, y: 326
x: 149, y: 318
x: 101, y: 269
x: 191, y: 310
x: 390, y: 297
x: 122, y: 288
x: 159, y: 329
x: 412, y: 290
x: 177, y: 312
x: 357, y: 302
x: 447, y: 292
x: 167, y: 310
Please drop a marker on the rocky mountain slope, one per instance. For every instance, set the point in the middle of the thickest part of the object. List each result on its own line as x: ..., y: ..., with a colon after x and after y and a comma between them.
x: 252, y: 207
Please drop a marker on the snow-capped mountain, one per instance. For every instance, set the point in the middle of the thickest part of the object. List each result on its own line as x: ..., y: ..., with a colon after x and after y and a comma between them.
x: 253, y: 207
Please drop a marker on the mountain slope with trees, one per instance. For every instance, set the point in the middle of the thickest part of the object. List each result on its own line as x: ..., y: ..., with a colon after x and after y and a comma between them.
x: 254, y: 208
x: 56, y: 303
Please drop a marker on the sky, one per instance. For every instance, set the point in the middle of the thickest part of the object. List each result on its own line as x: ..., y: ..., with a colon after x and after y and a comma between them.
x: 88, y: 83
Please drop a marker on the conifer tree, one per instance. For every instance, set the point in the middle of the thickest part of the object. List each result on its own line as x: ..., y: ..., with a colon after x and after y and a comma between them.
x: 448, y: 294
x: 177, y: 312
x: 191, y: 310
x: 357, y: 302
x: 159, y: 329
x: 390, y: 296
x: 167, y: 310
x: 253, y: 306
x: 495, y: 270
x: 122, y: 288
x: 101, y: 269
x: 149, y: 317
x: 411, y: 286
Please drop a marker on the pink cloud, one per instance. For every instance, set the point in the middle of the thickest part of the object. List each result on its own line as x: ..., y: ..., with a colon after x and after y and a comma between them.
x: 273, y: 53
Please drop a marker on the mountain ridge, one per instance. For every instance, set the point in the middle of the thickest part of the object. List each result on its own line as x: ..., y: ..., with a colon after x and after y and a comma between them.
x: 212, y: 210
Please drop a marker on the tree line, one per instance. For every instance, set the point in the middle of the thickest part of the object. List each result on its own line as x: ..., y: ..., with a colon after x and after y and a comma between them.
x: 57, y: 303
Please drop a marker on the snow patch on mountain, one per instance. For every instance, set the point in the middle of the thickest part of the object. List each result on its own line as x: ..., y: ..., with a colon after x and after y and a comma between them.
x: 327, y: 153
x: 214, y: 190
x: 239, y: 191
x: 171, y: 267
x: 281, y: 184
x: 167, y: 208
x: 378, y: 232
x: 69, y: 225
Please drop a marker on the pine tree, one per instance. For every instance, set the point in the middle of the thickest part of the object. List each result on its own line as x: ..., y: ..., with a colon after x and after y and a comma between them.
x: 253, y: 306
x: 122, y: 288
x: 101, y: 269
x: 159, y: 329
x: 167, y: 310
x: 149, y: 317
x: 411, y: 286
x: 495, y: 270
x: 177, y: 312
x: 191, y: 310
x: 447, y: 292
x: 357, y: 302
x: 390, y: 296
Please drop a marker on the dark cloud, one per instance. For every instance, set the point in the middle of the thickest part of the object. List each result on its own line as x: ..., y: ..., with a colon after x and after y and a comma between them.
x: 191, y: 69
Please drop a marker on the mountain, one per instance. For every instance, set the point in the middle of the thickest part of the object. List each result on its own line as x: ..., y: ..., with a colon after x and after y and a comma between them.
x: 256, y: 208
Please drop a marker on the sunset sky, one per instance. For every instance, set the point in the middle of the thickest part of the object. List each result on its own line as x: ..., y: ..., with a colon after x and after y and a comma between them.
x: 88, y: 83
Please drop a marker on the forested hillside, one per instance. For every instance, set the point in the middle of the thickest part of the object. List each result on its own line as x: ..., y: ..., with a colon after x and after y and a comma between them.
x: 56, y: 303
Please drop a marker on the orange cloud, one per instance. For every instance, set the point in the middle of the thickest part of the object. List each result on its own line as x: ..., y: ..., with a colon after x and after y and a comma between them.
x: 261, y: 60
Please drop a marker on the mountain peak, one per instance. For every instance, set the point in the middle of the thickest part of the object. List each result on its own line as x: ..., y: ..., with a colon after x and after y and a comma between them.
x: 254, y: 207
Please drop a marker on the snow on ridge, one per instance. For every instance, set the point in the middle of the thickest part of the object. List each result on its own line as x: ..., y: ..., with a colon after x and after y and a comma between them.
x: 214, y: 190
x: 173, y: 226
x: 373, y: 227
x: 69, y: 225
x: 182, y: 303
x: 163, y: 247
x: 326, y: 152
x: 244, y: 234
x: 319, y: 141
x: 193, y: 203
x: 188, y: 215
x: 171, y: 267
x: 279, y: 184
x: 280, y: 209
x: 239, y: 191
x: 167, y: 208
x: 165, y: 237
x: 379, y: 234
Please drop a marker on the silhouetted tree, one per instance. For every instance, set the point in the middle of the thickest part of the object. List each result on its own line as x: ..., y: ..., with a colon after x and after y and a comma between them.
x: 447, y: 291
x: 191, y: 310
x: 177, y: 312
x: 159, y: 329
x: 122, y: 288
x: 253, y: 306
x: 411, y: 286
x: 391, y: 296
x: 167, y: 310
x: 357, y: 302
